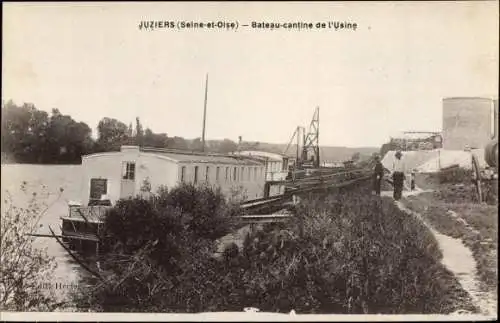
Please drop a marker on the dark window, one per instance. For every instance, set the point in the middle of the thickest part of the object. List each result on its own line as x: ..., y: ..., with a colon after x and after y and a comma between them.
x: 129, y: 171
x: 242, y: 173
x: 98, y: 187
x: 217, y: 171
x: 195, y: 174
x: 285, y: 164
x: 183, y: 174
x: 234, y: 174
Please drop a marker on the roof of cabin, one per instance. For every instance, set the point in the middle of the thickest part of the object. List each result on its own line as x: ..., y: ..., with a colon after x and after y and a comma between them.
x: 188, y: 156
x: 262, y: 154
x: 215, y: 159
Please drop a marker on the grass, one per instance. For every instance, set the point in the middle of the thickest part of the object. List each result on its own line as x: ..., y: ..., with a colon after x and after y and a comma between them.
x: 344, y: 253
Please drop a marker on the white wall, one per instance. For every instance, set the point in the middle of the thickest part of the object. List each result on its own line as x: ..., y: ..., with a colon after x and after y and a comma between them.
x: 110, y: 166
x: 253, y: 186
x: 107, y: 166
x: 159, y: 171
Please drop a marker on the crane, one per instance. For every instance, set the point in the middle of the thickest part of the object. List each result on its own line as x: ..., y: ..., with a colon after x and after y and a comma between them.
x: 307, y: 143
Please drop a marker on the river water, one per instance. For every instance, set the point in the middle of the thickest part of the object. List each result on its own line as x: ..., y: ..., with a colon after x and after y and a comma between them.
x: 47, y: 181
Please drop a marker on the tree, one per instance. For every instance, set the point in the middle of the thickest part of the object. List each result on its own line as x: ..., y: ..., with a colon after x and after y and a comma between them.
x: 139, y: 133
x: 112, y: 134
x: 68, y: 140
x: 152, y: 139
x: 227, y: 146
x: 31, y: 136
x: 196, y: 144
x: 24, y: 132
x: 22, y: 264
x: 356, y: 157
x: 177, y: 143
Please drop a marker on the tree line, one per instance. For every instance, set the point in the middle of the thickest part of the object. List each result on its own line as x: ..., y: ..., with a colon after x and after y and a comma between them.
x: 33, y: 136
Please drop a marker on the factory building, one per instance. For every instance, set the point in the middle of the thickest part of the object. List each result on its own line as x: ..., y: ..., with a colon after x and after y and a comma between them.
x: 467, y: 122
x: 132, y: 170
x: 416, y: 140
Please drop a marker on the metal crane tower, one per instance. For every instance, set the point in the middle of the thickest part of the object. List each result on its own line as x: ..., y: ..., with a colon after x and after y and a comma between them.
x: 311, y: 141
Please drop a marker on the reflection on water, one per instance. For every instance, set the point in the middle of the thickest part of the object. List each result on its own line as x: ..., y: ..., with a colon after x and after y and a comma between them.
x: 47, y: 181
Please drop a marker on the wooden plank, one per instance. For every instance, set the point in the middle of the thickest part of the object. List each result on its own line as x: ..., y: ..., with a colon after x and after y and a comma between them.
x: 72, y: 219
x: 80, y: 236
x: 263, y: 216
x: 88, y: 237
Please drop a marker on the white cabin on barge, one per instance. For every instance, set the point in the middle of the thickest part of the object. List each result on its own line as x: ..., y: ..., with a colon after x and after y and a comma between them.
x: 111, y: 176
x: 118, y: 175
x: 276, y: 168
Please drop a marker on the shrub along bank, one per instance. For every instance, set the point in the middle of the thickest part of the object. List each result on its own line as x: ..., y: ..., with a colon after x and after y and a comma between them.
x: 348, y: 253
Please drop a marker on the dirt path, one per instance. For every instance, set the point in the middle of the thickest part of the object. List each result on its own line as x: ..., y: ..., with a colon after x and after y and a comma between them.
x: 460, y: 261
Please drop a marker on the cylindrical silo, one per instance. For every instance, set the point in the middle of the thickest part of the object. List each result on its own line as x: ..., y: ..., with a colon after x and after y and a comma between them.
x: 467, y: 122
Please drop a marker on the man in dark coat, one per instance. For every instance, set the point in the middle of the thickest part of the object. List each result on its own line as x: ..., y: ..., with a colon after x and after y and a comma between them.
x: 378, y: 175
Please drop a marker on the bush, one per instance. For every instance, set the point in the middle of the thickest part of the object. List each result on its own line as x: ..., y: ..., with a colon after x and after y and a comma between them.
x: 22, y: 264
x: 148, y: 245
x: 204, y: 208
x: 198, y: 211
x: 133, y: 224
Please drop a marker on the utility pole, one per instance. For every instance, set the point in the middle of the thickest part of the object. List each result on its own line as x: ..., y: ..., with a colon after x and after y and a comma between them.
x: 317, y: 141
x: 204, y: 116
x: 298, y: 146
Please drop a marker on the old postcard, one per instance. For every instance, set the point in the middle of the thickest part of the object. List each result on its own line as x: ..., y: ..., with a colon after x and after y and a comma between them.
x: 285, y: 161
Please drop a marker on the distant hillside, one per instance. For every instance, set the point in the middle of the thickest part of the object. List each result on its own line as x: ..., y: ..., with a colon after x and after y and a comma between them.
x: 327, y: 153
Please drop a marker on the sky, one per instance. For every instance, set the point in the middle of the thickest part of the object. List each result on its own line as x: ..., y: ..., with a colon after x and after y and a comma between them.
x: 91, y: 60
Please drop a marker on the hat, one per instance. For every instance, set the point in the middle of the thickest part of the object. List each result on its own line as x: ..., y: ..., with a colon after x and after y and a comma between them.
x: 398, y: 153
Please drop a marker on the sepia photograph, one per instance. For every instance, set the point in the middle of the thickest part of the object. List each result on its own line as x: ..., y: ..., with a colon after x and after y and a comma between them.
x: 249, y: 161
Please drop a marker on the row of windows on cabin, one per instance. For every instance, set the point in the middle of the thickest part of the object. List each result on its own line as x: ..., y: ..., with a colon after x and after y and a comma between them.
x: 231, y: 174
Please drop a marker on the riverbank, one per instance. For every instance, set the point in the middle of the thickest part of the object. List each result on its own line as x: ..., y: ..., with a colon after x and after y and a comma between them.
x: 468, y: 232
x: 342, y: 253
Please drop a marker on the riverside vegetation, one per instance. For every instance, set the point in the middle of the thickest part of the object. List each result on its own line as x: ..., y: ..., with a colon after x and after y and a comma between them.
x: 22, y: 264
x: 345, y: 253
x: 452, y: 209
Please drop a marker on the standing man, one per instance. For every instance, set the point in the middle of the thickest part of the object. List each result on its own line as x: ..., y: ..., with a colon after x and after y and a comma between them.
x: 412, y: 183
x: 378, y: 174
x: 398, y: 175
